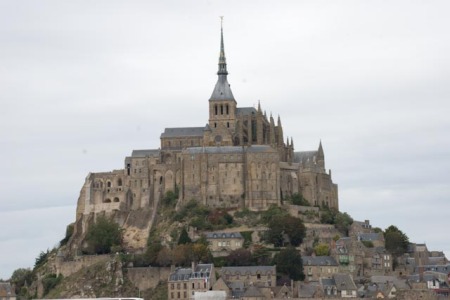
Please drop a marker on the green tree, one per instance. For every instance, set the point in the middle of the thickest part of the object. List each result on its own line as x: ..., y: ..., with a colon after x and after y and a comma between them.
x: 184, y: 237
x: 322, y: 249
x: 272, y: 212
x: 261, y: 255
x: 102, y: 235
x: 396, y: 241
x: 170, y: 198
x: 289, y: 262
x: 239, y: 257
x: 41, y: 259
x: 281, y: 225
x: 341, y: 221
x: 21, y: 278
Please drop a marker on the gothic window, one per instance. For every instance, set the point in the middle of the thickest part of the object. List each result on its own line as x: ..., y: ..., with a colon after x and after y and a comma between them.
x: 221, y: 109
x: 109, y: 184
x: 215, y: 109
x: 227, y: 109
x: 119, y: 182
x: 215, y: 125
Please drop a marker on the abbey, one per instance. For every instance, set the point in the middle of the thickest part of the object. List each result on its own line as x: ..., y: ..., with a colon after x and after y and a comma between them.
x: 239, y: 159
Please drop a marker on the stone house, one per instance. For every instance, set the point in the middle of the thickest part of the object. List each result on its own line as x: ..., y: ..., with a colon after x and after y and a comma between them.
x: 260, y: 276
x: 316, y: 267
x: 184, y: 282
x: 377, y: 261
x: 221, y: 243
x: 340, y: 285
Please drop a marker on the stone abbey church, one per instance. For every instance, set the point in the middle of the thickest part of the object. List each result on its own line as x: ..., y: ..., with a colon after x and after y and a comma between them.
x: 239, y: 159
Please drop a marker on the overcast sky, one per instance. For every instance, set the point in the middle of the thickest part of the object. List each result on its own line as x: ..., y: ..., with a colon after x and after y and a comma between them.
x: 83, y: 83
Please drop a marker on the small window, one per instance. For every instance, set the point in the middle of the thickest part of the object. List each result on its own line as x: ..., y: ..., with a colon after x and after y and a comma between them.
x: 228, y: 124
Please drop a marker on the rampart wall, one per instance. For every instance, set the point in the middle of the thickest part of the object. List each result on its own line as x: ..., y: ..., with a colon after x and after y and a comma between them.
x: 147, y: 278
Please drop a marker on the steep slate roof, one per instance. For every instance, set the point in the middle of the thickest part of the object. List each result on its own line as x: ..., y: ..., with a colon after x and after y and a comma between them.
x: 307, y: 290
x: 223, y: 235
x: 344, y: 282
x: 370, y: 236
x: 183, y: 274
x: 319, y: 261
x: 145, y: 153
x: 327, y: 282
x: 436, y: 268
x: 237, y: 288
x: 253, y: 291
x: 222, y: 90
x: 303, y: 156
x: 245, y: 111
x: 182, y: 132
x: 249, y: 269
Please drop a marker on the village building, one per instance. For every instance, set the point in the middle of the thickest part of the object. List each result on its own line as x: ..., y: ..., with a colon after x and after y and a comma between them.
x: 221, y: 243
x: 184, y: 282
x: 316, y: 267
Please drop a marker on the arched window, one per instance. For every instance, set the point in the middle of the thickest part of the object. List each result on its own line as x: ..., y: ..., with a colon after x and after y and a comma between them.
x: 215, y: 109
x: 107, y: 200
x: 221, y: 109
x: 116, y: 199
x: 119, y: 182
x: 227, y: 109
x: 109, y: 184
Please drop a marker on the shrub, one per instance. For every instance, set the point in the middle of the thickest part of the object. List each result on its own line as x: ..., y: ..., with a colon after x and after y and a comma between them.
x: 368, y: 244
x: 103, y: 235
x: 297, y: 199
x: 322, y: 250
x: 41, y: 259
x: 50, y: 281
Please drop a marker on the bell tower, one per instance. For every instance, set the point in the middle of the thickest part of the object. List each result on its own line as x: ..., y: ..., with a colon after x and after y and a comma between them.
x: 222, y: 105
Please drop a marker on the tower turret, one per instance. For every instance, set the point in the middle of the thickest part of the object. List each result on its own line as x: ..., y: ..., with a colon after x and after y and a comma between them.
x: 321, y: 156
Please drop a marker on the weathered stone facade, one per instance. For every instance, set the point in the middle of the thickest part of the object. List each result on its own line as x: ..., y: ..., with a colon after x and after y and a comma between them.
x: 239, y: 159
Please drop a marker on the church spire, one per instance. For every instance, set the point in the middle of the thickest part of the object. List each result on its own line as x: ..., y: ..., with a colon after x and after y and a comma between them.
x: 222, y: 59
x: 222, y: 90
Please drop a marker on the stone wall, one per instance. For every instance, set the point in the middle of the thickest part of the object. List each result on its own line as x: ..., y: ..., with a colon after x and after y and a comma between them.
x: 67, y: 268
x: 147, y: 278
